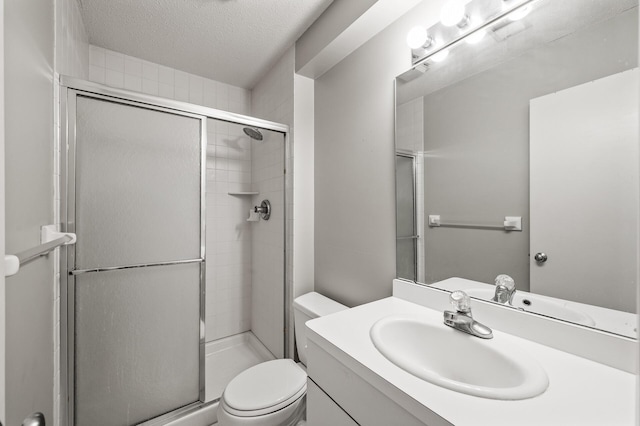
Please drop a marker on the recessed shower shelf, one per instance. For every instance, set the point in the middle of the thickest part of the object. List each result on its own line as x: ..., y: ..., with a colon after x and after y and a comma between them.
x: 244, y: 193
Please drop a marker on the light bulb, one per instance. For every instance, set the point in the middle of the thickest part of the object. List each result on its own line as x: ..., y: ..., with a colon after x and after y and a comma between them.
x: 452, y: 13
x: 417, y: 37
x: 518, y: 14
x: 476, y: 37
x: 440, y: 56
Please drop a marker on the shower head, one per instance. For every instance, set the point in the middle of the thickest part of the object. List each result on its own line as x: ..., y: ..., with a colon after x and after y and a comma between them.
x: 253, y: 133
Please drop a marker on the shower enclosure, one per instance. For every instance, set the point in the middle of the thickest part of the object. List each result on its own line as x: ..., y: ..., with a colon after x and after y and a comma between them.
x: 171, y: 258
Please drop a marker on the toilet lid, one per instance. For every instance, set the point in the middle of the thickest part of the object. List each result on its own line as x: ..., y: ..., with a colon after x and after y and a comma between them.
x: 266, y: 387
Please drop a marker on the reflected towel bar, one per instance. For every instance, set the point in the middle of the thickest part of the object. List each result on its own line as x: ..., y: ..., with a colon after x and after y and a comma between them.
x: 51, y: 240
x: 510, y: 223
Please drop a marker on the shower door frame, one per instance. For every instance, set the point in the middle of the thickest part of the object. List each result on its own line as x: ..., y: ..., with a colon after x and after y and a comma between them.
x: 70, y: 88
x: 415, y: 237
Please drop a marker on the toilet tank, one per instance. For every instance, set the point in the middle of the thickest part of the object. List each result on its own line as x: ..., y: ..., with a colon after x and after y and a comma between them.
x: 309, y: 306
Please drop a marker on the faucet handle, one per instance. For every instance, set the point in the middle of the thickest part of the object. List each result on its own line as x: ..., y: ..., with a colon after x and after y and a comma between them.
x: 460, y: 301
x: 505, y: 281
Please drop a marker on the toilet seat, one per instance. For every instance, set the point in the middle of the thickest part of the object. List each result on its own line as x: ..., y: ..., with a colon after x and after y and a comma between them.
x: 265, y: 388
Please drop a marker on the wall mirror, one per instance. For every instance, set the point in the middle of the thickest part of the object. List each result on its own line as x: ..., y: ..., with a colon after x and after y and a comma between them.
x: 519, y: 155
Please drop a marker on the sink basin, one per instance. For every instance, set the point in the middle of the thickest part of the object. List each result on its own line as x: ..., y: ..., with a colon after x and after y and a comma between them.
x: 458, y: 361
x: 539, y: 305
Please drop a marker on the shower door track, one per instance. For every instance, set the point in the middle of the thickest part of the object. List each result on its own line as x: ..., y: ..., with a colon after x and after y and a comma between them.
x: 69, y: 88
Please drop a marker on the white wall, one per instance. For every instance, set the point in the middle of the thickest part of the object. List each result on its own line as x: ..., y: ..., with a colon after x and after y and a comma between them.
x: 72, y: 41
x: 28, y: 132
x: 303, y: 187
x: 333, y: 22
x: 354, y: 165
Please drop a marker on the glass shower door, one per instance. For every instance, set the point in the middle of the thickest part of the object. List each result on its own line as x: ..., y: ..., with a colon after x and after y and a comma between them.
x: 406, y: 238
x: 136, y: 275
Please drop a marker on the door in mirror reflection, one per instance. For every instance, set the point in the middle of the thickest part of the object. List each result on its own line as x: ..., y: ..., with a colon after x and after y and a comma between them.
x: 583, y: 189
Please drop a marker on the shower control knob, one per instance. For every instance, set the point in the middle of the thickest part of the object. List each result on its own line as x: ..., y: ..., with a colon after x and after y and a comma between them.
x: 264, y: 209
x: 540, y: 257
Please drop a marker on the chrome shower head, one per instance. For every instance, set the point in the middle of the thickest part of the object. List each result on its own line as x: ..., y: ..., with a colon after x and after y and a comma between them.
x: 253, y: 133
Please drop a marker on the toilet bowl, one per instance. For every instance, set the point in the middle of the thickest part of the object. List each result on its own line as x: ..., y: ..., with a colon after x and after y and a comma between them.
x: 273, y: 393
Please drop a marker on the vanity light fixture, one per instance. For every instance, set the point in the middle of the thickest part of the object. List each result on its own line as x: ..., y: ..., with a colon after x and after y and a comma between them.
x: 418, y: 38
x: 453, y: 13
x: 462, y: 21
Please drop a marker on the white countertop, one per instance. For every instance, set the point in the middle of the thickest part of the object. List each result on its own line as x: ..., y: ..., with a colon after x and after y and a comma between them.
x: 581, y: 392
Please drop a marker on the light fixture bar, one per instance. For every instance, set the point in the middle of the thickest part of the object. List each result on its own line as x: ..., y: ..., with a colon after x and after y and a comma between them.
x: 459, y: 39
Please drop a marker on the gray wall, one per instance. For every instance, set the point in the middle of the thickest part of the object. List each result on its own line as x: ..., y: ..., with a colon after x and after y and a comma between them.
x: 354, y: 165
x: 477, y: 144
x: 29, y: 35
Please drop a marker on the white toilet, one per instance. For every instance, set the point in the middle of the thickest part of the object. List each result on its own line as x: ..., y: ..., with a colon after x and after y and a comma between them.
x: 273, y: 393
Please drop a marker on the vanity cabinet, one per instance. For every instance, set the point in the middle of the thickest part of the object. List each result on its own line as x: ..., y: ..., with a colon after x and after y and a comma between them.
x: 322, y: 410
x: 338, y: 392
x: 352, y: 382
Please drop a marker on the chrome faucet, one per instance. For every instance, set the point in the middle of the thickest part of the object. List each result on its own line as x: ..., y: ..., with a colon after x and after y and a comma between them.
x: 462, y: 320
x: 505, y: 289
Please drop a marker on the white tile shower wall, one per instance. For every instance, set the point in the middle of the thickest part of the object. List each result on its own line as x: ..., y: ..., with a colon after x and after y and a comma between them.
x: 228, y: 240
x: 127, y: 72
x: 272, y: 99
x: 71, y: 58
x: 410, y: 137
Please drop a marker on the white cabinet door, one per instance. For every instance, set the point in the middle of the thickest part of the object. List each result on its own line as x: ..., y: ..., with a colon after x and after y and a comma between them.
x: 322, y: 410
x: 584, y: 192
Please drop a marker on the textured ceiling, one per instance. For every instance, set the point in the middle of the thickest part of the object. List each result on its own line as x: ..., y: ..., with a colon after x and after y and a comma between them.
x: 233, y: 41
